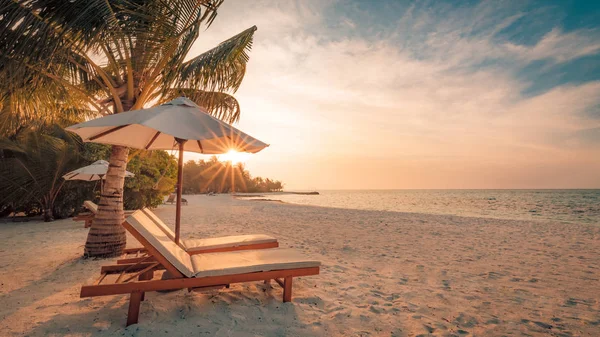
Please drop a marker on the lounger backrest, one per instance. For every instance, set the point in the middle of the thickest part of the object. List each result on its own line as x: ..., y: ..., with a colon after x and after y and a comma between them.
x: 163, y: 226
x: 91, y: 206
x: 141, y: 223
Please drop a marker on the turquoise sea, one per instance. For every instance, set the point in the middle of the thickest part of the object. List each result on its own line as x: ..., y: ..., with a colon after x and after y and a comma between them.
x: 578, y: 206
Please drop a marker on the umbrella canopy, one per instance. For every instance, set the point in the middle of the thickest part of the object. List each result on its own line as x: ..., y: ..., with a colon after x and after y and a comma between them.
x: 160, y: 127
x: 95, y: 171
x: 180, y: 124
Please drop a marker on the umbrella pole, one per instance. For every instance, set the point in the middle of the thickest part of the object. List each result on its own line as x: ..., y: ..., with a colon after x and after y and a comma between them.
x: 181, y: 142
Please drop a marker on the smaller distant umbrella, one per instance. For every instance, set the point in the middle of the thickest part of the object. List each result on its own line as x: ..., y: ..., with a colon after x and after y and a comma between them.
x: 95, y: 171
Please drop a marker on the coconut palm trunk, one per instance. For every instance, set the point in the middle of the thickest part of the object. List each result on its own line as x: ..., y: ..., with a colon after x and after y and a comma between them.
x: 107, y: 237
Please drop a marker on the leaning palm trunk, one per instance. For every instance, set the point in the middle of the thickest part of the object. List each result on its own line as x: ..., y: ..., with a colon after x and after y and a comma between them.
x: 106, y: 237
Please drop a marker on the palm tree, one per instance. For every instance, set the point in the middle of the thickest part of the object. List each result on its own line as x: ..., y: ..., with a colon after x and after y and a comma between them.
x: 32, y: 165
x: 120, y: 55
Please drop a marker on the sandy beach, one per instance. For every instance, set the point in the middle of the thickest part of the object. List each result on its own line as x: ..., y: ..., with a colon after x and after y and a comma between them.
x: 383, y: 274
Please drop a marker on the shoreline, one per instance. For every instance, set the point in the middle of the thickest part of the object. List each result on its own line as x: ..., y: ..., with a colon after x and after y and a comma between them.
x: 383, y: 273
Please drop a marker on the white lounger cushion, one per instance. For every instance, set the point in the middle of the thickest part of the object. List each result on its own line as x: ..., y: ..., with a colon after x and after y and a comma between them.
x: 159, y: 240
x: 160, y: 224
x: 196, y: 245
x: 249, y: 261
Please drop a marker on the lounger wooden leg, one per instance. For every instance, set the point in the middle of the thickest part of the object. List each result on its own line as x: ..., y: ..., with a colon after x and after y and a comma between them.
x: 134, y: 308
x: 287, y: 289
x: 134, y: 250
x: 146, y: 276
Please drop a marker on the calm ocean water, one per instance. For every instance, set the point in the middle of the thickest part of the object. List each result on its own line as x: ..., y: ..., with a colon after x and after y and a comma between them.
x: 580, y: 206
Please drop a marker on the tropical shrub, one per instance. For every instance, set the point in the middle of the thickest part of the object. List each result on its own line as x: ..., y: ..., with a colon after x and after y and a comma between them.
x: 33, y: 162
x: 31, y: 168
x: 155, y: 177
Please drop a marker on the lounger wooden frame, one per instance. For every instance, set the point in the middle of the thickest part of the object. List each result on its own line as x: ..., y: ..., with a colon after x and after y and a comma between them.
x: 86, y: 218
x: 170, y: 199
x: 143, y: 280
x: 89, y: 217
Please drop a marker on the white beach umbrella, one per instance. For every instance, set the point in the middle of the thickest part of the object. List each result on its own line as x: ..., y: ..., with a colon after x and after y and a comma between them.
x: 95, y: 171
x: 179, y: 123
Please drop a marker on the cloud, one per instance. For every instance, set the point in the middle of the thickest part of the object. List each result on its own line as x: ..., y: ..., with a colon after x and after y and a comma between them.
x: 559, y: 47
x: 412, y: 107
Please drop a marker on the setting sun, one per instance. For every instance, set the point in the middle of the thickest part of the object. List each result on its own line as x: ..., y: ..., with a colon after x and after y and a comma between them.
x: 234, y: 157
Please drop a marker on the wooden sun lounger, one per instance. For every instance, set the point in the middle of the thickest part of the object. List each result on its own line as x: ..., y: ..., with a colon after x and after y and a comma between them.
x: 170, y: 199
x: 202, y: 246
x: 87, y: 217
x: 207, y: 271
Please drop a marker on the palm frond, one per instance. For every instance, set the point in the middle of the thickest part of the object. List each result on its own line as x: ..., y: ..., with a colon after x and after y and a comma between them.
x: 102, y: 41
x: 30, y: 106
x: 219, y: 69
x: 33, y: 163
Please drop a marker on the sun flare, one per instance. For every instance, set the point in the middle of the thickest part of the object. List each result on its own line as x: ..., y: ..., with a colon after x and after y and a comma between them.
x: 234, y: 157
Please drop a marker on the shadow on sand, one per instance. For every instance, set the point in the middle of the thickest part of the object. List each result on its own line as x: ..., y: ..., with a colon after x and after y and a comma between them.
x: 61, y: 278
x: 237, y: 311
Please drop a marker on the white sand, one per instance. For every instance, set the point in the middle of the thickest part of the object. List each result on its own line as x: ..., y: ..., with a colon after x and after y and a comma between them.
x: 383, y: 274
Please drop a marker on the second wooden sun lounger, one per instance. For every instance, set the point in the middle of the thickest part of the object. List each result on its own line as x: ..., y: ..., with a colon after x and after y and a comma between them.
x: 87, y: 217
x: 193, y: 272
x: 206, y: 245
x: 170, y: 199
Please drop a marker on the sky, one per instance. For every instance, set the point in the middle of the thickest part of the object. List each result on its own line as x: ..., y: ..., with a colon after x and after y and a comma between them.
x: 426, y: 94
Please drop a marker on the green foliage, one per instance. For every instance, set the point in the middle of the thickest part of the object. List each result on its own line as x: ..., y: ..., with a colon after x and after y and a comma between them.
x: 155, y: 176
x: 71, y: 197
x: 93, y: 152
x: 31, y: 168
x: 33, y: 163
x: 223, y: 177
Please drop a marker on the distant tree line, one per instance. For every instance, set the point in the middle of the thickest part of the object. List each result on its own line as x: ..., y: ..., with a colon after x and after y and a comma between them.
x: 206, y: 176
